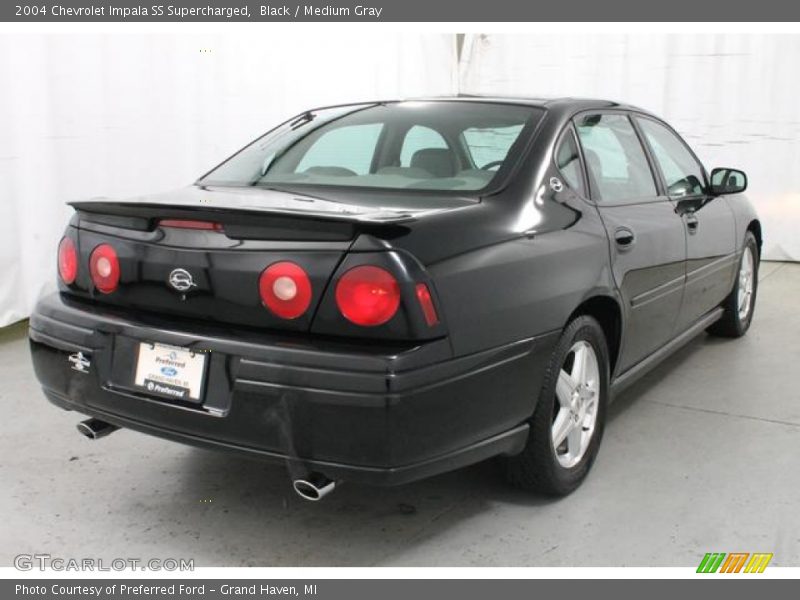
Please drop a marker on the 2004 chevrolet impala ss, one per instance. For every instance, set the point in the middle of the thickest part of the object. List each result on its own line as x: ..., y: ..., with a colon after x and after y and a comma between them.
x: 383, y: 291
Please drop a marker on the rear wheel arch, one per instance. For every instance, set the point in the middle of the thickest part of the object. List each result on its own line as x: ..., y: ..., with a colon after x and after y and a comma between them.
x: 606, y: 311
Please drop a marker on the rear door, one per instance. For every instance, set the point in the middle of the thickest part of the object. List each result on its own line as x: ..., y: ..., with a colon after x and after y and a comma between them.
x: 709, y: 222
x: 646, y: 235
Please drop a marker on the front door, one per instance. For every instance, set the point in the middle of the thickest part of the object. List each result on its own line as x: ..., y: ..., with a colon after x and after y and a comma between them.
x: 709, y: 222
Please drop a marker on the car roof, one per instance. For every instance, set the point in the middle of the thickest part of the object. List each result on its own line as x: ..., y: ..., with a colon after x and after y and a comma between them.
x: 565, y: 105
x: 574, y: 102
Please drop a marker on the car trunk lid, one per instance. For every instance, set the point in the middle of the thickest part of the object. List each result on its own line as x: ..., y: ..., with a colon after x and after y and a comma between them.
x: 199, y: 253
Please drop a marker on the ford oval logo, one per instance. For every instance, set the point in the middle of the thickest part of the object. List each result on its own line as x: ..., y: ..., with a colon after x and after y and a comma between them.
x: 181, y: 280
x: 169, y: 371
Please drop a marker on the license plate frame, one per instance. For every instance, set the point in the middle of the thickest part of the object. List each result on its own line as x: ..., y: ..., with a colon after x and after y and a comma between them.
x: 170, y: 372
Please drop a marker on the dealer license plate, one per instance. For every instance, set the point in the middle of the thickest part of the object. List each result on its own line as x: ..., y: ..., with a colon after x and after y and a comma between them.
x: 170, y: 371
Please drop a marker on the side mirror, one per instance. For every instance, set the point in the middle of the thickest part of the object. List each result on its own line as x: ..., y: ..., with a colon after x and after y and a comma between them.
x: 727, y: 181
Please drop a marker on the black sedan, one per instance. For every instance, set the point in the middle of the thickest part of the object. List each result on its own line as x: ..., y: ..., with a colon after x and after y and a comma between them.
x: 383, y: 291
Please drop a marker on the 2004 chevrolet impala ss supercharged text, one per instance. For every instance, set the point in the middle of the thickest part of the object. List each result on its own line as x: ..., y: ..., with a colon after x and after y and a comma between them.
x: 379, y: 292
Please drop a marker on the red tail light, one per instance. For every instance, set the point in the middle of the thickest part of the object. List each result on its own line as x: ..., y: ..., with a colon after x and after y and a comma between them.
x: 104, y: 268
x: 285, y: 289
x: 426, y: 303
x: 368, y: 295
x: 67, y: 261
x: 190, y: 224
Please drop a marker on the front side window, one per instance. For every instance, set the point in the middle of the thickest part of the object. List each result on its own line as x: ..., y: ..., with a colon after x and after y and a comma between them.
x: 569, y: 163
x: 438, y: 145
x: 615, y: 160
x: 682, y: 173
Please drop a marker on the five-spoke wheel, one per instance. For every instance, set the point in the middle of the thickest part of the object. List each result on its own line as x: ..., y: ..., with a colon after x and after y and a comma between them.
x: 567, y: 424
x: 577, y: 390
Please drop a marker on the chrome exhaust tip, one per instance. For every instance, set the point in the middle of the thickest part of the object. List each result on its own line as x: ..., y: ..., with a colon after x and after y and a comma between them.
x: 314, y: 487
x: 94, y: 429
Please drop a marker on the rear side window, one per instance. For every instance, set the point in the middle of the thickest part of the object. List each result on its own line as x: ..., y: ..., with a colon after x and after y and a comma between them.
x: 490, y: 145
x: 615, y: 160
x: 326, y: 153
x: 682, y: 173
x: 569, y: 163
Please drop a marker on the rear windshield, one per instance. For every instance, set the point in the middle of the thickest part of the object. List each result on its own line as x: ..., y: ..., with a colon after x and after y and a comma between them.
x: 400, y: 145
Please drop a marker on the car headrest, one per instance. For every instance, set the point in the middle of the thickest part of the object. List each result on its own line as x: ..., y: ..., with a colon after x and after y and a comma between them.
x: 436, y: 161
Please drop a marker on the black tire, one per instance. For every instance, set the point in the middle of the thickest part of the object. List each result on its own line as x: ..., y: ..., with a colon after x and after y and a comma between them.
x: 537, y: 468
x: 731, y: 324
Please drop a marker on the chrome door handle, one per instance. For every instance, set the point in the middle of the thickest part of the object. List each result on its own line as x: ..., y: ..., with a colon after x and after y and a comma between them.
x: 692, y: 223
x: 624, y: 237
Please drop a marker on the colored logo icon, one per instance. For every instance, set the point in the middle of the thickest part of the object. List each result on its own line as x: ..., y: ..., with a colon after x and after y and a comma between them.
x: 735, y: 562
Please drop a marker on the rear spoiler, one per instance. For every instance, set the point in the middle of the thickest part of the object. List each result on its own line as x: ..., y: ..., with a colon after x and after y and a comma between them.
x: 157, y: 210
x: 242, y: 223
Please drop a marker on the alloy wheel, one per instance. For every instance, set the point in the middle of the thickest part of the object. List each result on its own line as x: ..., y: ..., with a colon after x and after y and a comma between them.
x: 576, y: 402
x: 746, y: 271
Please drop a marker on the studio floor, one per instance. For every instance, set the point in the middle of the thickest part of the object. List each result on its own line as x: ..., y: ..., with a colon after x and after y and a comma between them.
x: 699, y: 456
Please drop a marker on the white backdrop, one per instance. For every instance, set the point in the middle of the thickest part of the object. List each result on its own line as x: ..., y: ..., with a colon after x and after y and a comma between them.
x: 120, y: 115
x: 736, y: 99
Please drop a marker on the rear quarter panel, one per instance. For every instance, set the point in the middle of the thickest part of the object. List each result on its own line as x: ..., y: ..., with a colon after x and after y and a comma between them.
x: 523, y: 287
